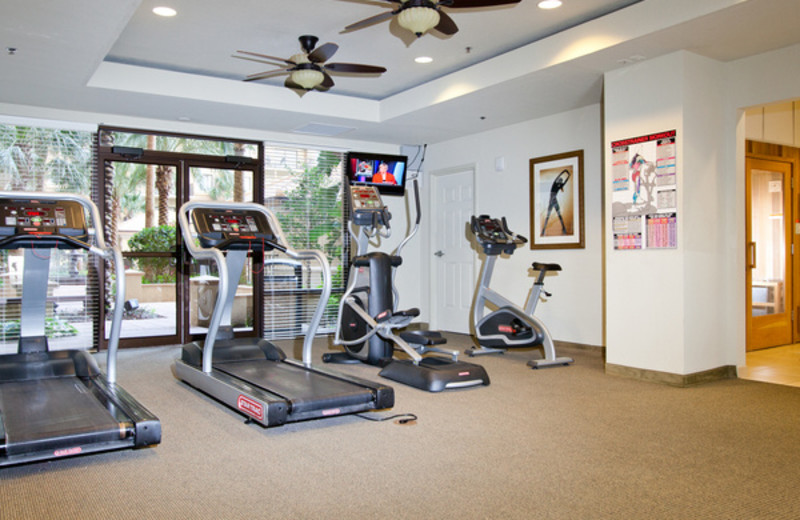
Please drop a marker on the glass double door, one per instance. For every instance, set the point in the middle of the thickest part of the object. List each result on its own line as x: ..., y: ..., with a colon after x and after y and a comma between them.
x: 169, y: 296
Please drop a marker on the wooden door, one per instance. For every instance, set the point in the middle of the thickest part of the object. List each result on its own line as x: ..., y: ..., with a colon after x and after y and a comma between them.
x: 769, y: 253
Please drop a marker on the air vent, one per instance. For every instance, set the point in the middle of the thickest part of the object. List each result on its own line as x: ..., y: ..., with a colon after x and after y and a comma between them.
x: 322, y: 129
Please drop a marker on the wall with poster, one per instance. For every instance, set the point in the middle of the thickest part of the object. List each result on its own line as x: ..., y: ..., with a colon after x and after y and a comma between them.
x: 662, y: 299
x: 644, y: 205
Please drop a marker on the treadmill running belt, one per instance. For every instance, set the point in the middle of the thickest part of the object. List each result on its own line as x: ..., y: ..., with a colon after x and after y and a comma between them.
x: 304, y: 389
x: 54, y: 414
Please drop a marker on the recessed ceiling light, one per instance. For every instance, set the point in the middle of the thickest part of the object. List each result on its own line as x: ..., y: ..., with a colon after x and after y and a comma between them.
x: 549, y: 4
x: 423, y: 59
x: 165, y: 11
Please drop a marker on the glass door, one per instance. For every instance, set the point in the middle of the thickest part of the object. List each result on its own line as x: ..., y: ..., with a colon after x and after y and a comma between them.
x: 143, y: 209
x: 769, y: 253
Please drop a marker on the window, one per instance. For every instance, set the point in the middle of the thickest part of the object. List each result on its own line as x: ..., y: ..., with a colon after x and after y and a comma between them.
x: 303, y: 187
x: 53, y: 160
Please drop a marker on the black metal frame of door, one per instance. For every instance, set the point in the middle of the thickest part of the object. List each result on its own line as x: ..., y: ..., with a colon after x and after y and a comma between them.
x: 182, y: 162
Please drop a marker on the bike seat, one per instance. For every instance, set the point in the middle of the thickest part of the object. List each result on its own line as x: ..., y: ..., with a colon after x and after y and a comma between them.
x: 546, y: 267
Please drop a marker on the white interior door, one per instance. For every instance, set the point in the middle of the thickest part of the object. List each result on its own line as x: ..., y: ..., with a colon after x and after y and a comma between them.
x: 453, y: 259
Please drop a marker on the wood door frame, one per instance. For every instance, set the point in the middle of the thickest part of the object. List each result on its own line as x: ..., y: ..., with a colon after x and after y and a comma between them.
x: 791, y: 156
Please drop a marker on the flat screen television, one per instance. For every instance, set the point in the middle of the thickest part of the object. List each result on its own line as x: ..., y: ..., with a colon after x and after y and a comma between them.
x: 387, y: 172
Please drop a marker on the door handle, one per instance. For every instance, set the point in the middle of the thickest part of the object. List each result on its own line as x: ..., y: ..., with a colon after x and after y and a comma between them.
x: 751, y: 253
x: 439, y: 253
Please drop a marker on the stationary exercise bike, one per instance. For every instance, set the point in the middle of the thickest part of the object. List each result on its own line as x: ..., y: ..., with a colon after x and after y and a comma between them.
x: 368, y: 321
x: 509, y: 326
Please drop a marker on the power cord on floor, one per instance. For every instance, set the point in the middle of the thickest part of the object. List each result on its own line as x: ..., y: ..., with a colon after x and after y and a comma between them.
x: 403, y: 418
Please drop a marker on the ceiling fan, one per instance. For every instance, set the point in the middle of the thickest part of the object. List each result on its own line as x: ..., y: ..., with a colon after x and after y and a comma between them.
x: 419, y: 16
x: 307, y: 70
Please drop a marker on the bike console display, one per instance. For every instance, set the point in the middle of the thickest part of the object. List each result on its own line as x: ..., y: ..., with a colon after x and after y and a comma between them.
x: 48, y: 223
x: 494, y: 236
x: 233, y: 229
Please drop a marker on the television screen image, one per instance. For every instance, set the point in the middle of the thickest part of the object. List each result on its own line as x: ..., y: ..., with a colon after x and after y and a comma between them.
x: 387, y: 172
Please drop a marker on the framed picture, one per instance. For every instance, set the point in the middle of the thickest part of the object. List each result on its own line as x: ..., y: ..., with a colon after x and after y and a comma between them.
x: 556, y: 188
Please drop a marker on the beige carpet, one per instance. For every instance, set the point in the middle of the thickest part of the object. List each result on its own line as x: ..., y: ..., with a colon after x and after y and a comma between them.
x: 563, y: 442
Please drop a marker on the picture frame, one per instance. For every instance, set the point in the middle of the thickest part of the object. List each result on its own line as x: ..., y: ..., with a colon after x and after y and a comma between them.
x: 556, y: 201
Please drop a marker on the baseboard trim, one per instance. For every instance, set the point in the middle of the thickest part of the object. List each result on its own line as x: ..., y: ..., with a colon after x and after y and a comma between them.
x: 667, y: 378
x: 580, y: 346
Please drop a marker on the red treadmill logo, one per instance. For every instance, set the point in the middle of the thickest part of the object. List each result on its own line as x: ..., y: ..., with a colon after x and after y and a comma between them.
x: 250, y: 407
x: 67, y: 452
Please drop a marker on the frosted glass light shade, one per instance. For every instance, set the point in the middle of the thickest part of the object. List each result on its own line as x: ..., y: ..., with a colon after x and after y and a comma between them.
x: 307, y: 78
x: 418, y: 19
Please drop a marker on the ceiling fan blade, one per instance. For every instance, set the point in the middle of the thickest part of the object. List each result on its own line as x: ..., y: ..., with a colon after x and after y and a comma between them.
x: 273, y: 58
x: 355, y: 67
x: 258, y: 60
x: 369, y: 21
x: 446, y: 24
x: 457, y: 4
x: 327, y: 82
x: 264, y: 75
x: 323, y: 53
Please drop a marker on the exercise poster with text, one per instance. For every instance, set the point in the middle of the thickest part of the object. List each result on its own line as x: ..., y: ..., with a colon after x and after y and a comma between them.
x: 644, y: 198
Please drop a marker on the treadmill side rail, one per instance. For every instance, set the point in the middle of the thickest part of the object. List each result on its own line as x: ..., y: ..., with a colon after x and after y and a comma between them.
x: 260, y: 406
x: 146, y: 426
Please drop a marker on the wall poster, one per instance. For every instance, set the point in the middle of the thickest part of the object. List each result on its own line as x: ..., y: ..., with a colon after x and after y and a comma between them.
x: 644, y: 199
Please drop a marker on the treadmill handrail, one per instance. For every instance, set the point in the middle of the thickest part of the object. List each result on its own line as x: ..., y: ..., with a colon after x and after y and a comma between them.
x: 109, y: 253
x: 216, y: 254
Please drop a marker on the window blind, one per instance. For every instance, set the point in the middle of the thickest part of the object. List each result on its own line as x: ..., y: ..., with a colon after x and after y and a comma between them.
x: 49, y: 159
x: 303, y: 187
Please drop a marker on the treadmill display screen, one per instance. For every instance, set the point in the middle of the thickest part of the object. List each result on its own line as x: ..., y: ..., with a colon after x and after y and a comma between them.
x: 233, y: 229
x: 42, y: 218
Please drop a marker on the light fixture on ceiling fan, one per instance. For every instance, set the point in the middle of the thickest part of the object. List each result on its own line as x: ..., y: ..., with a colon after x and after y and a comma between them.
x: 307, y: 70
x: 420, y: 16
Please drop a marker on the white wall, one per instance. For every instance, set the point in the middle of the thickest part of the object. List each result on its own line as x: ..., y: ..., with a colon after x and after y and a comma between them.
x: 644, y: 302
x: 575, y: 312
x: 683, y: 311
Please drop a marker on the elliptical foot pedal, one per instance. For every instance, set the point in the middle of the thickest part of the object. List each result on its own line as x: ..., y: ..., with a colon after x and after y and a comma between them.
x: 435, y: 374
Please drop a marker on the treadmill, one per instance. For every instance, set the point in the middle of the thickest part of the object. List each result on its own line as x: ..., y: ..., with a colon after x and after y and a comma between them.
x: 56, y: 404
x: 251, y: 375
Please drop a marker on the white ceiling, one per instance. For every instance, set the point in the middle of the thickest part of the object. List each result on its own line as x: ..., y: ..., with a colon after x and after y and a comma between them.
x: 506, y: 64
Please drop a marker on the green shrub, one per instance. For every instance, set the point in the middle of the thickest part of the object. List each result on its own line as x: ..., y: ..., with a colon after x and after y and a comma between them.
x: 156, y: 239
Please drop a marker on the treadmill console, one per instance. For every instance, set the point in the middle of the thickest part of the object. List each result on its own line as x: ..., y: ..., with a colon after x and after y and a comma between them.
x: 42, y: 221
x: 234, y: 229
x: 366, y: 204
x: 494, y: 236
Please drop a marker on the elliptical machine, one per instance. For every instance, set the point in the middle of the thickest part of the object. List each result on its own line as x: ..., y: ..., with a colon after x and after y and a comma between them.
x: 509, y: 326
x: 368, y: 318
